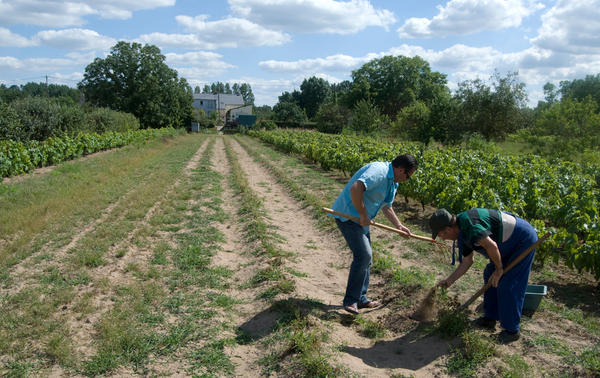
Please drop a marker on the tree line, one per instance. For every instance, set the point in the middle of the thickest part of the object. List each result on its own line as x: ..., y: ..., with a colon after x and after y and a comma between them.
x: 402, y: 97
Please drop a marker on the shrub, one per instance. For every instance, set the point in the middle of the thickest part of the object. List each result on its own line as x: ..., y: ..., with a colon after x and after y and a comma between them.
x: 265, y: 124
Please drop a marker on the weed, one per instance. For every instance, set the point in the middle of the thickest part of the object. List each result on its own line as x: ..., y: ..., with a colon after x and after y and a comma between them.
x: 370, y: 328
x: 474, y: 352
x: 212, y: 358
x: 517, y: 367
x: 451, y: 323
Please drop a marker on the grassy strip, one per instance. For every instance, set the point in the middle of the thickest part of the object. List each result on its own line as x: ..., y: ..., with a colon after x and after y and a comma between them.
x: 36, y: 312
x: 41, y: 210
x: 188, y: 290
x: 258, y: 233
x: 298, y: 341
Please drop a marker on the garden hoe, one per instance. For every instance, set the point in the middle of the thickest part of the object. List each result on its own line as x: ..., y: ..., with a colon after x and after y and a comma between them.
x: 383, y: 226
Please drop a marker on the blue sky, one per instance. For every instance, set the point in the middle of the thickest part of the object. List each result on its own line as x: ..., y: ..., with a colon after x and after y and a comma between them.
x: 274, y: 44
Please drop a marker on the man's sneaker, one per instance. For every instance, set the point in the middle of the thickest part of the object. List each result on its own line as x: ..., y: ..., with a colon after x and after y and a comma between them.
x: 506, y: 337
x: 484, y: 322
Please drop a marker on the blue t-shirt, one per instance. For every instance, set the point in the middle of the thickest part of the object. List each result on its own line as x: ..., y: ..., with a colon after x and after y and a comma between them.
x: 380, y: 190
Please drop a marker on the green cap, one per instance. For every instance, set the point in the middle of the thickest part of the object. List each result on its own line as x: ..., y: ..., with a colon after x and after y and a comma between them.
x: 438, y: 221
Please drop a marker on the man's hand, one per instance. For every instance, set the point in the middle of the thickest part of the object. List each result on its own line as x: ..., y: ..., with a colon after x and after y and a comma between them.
x: 495, y: 277
x: 364, y: 220
x: 405, y: 229
x: 444, y: 283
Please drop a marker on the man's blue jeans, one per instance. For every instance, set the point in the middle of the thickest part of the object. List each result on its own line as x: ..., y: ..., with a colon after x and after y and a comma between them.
x: 359, y: 242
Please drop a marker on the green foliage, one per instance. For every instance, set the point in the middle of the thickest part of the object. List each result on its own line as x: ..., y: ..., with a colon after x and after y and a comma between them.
x: 314, y: 92
x: 493, y: 111
x: 367, y: 118
x: 17, y: 157
x: 393, y: 83
x: 475, y: 351
x: 288, y: 112
x: 332, y: 118
x: 265, y: 125
x: 66, y: 94
x: 135, y: 79
x: 579, y: 89
x: 39, y: 118
x: 412, y: 122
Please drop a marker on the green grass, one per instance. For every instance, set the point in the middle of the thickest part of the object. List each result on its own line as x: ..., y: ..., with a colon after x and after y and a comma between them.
x: 475, y: 351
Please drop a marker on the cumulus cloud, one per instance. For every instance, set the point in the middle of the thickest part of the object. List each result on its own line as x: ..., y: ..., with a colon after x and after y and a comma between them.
x: 572, y: 27
x: 333, y: 63
x: 198, y: 66
x: 73, y: 39
x: 211, y: 35
x: 461, y: 17
x: 313, y: 16
x: 56, y: 13
x: 8, y: 63
x: 9, y: 39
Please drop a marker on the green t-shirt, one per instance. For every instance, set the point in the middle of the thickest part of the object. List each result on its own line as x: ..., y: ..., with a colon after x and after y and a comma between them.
x: 476, y: 224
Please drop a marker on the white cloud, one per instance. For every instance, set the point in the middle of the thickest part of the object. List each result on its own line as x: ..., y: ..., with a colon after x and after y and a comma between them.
x: 571, y: 26
x: 10, y: 63
x: 234, y: 32
x: 461, y: 17
x: 198, y: 66
x: 333, y: 63
x: 73, y: 39
x: 9, y: 39
x: 313, y: 16
x: 55, y: 13
x: 211, y: 35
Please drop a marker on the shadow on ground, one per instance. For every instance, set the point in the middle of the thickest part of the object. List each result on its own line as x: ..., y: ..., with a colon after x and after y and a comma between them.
x: 411, y: 351
x: 281, y: 313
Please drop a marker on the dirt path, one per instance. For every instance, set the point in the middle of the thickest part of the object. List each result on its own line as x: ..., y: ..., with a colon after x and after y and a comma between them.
x: 324, y: 259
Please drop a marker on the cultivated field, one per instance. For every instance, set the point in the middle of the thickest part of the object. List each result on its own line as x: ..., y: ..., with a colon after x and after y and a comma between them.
x: 207, y: 255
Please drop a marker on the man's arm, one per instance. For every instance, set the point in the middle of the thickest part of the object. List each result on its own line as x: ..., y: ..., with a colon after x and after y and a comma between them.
x: 391, y: 216
x: 357, y: 191
x: 459, y: 271
x: 494, y: 254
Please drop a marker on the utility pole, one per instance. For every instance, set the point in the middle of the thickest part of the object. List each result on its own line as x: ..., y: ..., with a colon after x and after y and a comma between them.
x: 47, y: 94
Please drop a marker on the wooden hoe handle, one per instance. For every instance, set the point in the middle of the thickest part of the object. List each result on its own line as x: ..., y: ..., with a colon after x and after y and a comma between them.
x: 508, y: 267
x: 388, y: 228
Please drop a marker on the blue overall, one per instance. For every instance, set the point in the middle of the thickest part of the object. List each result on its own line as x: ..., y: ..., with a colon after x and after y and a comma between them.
x: 505, y: 303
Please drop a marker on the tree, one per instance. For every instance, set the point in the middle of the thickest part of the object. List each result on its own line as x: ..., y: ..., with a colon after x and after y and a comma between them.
x: 196, y: 89
x: 135, y: 79
x: 493, y: 111
x: 332, y: 118
x: 247, y: 95
x: 314, y: 92
x: 288, y: 112
x: 579, y: 89
x: 391, y: 83
x: 366, y: 118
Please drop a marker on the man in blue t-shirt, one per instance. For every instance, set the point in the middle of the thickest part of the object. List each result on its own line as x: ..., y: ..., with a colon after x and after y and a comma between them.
x: 372, y: 188
x: 501, y: 237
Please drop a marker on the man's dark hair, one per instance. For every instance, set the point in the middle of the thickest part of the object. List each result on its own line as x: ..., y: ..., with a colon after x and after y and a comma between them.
x: 406, y: 161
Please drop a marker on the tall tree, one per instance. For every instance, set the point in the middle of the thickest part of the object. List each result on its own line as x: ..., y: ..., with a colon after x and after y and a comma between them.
x: 393, y: 82
x: 314, y: 92
x: 493, y: 111
x: 247, y: 95
x: 135, y: 79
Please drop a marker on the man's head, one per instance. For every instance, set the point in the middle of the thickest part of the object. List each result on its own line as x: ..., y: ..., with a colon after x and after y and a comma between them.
x: 438, y: 223
x: 404, y: 167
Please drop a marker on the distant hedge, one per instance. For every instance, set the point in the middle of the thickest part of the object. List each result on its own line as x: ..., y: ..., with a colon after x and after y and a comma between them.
x: 39, y: 118
x: 18, y: 157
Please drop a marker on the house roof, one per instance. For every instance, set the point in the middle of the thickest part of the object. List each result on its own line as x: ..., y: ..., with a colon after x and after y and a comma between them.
x: 222, y: 99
